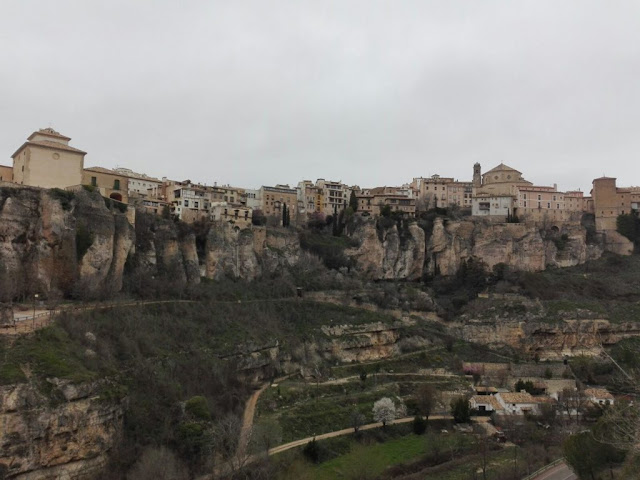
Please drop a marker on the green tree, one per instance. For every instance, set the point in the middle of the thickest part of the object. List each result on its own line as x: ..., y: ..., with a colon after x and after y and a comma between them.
x: 587, y: 456
x: 353, y: 201
x: 419, y: 425
x: 385, y: 211
x: 460, y: 410
x: 627, y: 225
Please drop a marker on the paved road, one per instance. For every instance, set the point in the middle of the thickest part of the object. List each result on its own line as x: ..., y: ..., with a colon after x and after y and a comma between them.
x: 559, y: 472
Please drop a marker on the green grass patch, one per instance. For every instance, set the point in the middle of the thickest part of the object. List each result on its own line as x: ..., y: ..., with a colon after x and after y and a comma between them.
x: 49, y: 352
x: 375, y: 459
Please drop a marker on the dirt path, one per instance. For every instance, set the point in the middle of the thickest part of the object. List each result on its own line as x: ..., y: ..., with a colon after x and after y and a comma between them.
x: 247, y: 420
x: 347, y: 431
x: 340, y: 381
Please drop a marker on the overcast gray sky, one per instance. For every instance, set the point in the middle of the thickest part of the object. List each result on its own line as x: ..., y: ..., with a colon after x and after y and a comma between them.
x: 367, y: 92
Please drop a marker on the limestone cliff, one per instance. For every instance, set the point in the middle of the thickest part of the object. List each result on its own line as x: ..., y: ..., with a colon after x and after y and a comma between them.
x: 248, y: 253
x: 57, y: 243
x: 68, y: 439
x: 388, y: 254
x: 521, y: 246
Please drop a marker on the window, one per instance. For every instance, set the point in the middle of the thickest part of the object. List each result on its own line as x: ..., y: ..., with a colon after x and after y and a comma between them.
x: 195, y: 204
x: 186, y: 203
x: 539, y: 197
x: 94, y: 182
x: 116, y: 184
x: 548, y: 204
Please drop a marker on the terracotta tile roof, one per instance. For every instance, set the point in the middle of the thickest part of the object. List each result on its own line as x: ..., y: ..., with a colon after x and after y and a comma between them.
x: 49, y: 144
x: 104, y: 170
x: 599, y: 393
x: 48, y: 131
x: 502, y: 168
x: 517, y: 398
x: 487, y: 400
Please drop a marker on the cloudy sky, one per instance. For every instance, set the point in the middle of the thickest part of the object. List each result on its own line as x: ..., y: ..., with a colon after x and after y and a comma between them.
x: 367, y: 92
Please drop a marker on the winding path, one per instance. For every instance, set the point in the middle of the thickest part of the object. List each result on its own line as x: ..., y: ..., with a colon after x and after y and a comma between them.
x: 347, y: 431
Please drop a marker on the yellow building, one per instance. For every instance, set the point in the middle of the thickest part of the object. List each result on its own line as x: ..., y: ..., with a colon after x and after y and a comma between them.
x: 273, y: 199
x: 372, y: 200
x: 610, y: 201
x: 109, y: 183
x: 47, y: 160
x: 6, y: 174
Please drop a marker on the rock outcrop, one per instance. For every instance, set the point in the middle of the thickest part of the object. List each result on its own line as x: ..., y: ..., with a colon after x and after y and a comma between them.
x: 68, y: 439
x: 551, y: 341
x: 248, y: 253
x: 389, y: 254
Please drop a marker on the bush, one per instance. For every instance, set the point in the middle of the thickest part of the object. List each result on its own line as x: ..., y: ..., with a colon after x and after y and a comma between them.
x: 460, y: 410
x: 329, y: 248
x: 84, y: 240
x: 65, y: 197
x: 258, y: 218
x: 419, y: 425
x: 311, y: 451
x: 198, y: 407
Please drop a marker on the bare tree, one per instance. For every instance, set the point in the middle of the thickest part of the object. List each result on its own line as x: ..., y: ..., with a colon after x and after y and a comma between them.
x: 158, y: 464
x: 427, y: 398
x: 231, y: 444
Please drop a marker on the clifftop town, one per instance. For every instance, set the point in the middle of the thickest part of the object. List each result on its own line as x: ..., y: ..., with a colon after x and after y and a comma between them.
x: 502, y: 194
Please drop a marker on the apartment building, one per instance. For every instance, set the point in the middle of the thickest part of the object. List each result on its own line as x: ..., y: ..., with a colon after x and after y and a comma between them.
x: 140, y: 185
x: 238, y: 215
x: 273, y: 199
x: 371, y: 201
x: 437, y: 191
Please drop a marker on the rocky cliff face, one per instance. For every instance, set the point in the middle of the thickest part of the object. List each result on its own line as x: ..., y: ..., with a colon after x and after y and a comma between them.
x: 61, y: 243
x: 551, y: 341
x: 248, y: 253
x: 389, y: 254
x: 70, y: 439
x: 521, y: 246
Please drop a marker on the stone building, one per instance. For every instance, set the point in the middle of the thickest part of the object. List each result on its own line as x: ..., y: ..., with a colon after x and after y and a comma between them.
x: 47, y: 160
x: 610, y: 201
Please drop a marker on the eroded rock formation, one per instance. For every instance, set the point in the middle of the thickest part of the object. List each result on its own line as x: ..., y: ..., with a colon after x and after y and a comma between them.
x: 66, y: 438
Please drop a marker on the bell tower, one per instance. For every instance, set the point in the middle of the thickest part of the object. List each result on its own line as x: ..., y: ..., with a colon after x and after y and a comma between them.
x: 477, y: 175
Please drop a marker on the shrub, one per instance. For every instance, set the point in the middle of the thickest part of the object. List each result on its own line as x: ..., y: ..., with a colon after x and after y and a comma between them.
x: 198, y: 407
x: 84, y: 240
x: 561, y: 242
x: 65, y: 197
x: 460, y: 410
x: 311, y: 451
x: 419, y: 425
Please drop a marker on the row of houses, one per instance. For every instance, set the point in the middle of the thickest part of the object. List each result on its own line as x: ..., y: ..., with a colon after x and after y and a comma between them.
x: 47, y: 160
x: 499, y: 402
